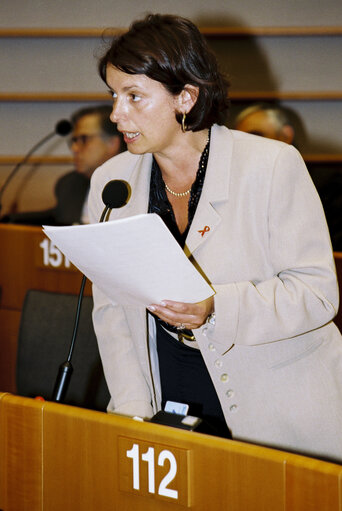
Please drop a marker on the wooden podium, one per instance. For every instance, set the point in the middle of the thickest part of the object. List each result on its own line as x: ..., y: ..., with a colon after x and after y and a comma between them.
x: 28, y: 260
x: 55, y: 457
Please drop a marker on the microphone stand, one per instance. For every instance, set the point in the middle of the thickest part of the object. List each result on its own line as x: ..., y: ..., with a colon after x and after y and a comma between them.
x: 66, y: 369
x: 22, y: 162
x: 114, y: 195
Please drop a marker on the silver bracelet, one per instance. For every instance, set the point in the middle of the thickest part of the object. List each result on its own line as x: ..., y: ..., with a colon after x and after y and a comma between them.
x: 211, y: 319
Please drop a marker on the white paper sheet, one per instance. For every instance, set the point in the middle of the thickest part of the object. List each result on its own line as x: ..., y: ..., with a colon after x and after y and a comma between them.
x: 134, y: 260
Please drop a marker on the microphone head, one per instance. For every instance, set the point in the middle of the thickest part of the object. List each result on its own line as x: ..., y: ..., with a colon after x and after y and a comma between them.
x: 116, y: 193
x: 63, y: 127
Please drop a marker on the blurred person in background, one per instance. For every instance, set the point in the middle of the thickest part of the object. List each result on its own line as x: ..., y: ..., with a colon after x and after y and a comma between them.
x: 94, y: 140
x: 267, y: 121
x: 279, y: 123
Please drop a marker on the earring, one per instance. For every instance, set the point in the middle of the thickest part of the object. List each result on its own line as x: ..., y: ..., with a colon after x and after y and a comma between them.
x: 184, y: 127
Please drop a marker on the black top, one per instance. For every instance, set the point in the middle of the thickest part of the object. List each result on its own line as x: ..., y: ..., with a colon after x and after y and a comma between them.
x: 183, y: 373
x: 159, y: 203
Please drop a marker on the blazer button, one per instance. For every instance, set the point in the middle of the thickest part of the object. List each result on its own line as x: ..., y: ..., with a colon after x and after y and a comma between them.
x: 224, y: 377
x: 230, y: 393
x: 233, y: 408
x: 218, y: 363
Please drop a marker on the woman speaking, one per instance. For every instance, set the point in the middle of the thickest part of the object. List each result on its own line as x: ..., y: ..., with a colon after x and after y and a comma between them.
x: 261, y: 360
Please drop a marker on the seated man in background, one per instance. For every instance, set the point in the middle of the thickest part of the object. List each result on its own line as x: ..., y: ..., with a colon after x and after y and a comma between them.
x: 267, y: 121
x: 276, y: 122
x: 94, y: 140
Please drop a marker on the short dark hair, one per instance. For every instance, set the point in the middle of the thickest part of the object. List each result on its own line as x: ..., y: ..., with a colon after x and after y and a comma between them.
x: 171, y: 50
x: 108, y: 128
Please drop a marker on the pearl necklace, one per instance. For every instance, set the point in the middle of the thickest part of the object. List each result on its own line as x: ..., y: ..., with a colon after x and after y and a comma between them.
x: 182, y: 194
x: 202, y: 165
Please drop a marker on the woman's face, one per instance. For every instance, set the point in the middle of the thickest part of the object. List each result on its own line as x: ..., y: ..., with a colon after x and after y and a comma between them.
x: 145, y: 112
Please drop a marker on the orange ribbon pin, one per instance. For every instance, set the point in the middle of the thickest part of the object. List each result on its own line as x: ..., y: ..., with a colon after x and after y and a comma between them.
x: 203, y: 231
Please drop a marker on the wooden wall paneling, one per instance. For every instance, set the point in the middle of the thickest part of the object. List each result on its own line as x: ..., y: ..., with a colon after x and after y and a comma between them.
x: 209, y: 31
x: 251, y: 71
x: 237, y: 95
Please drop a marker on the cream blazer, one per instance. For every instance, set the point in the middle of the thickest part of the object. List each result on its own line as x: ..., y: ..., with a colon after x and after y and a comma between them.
x: 274, y: 355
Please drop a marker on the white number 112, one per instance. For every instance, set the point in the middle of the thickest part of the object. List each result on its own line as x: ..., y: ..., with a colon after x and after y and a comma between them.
x: 148, y: 456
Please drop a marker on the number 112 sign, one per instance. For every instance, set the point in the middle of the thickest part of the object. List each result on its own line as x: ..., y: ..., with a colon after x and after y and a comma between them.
x: 154, y: 470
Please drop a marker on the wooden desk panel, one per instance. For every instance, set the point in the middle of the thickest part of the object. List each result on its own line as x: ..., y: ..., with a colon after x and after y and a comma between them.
x: 24, y: 264
x: 27, y: 261
x: 21, y: 453
x: 314, y: 484
x: 9, y: 329
x: 55, y: 457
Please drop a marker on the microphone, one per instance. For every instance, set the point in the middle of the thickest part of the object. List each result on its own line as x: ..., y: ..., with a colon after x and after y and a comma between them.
x: 115, y: 194
x: 62, y: 128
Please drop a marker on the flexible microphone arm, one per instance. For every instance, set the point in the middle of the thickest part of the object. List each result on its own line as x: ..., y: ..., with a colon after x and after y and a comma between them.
x: 63, y: 128
x: 66, y: 369
x: 115, y: 195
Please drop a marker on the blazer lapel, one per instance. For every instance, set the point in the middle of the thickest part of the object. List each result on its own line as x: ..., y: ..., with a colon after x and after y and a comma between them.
x: 215, y: 189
